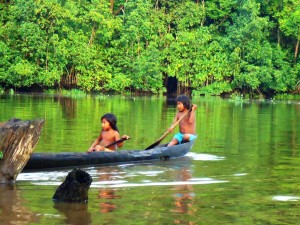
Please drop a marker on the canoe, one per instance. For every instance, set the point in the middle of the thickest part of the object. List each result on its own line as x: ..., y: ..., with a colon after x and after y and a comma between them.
x: 40, y: 161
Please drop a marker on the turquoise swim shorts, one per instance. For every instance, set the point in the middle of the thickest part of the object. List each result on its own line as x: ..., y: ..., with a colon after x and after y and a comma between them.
x: 179, y: 137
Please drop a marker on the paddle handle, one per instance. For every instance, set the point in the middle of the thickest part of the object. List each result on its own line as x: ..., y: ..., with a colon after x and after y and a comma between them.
x: 169, y: 130
x: 175, y: 124
x: 116, y: 142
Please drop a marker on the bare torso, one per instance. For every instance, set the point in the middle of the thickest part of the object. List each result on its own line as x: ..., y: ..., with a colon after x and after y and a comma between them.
x: 107, y: 137
x: 185, y: 125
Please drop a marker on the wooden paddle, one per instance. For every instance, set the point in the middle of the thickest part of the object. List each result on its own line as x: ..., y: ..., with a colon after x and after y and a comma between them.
x: 168, y: 131
x: 116, y: 142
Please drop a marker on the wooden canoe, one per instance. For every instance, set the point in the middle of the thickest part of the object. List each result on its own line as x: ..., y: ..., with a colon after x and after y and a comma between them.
x: 40, y: 161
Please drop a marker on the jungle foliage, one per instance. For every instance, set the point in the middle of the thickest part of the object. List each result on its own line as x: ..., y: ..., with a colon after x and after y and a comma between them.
x: 210, y: 47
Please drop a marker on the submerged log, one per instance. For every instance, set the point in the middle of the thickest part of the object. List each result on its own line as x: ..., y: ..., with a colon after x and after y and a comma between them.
x: 75, y: 187
x: 17, y: 141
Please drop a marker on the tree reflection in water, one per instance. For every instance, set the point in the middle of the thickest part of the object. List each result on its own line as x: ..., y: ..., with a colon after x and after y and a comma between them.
x: 68, y: 106
x: 12, y: 209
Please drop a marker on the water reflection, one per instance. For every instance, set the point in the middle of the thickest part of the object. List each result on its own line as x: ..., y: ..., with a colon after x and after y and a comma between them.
x: 69, y: 106
x: 12, y: 209
x: 75, y: 213
x: 253, y: 147
x: 106, y: 194
x: 183, y: 193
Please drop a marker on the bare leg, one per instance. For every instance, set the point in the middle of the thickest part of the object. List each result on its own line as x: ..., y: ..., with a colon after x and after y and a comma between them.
x: 99, y: 148
x: 173, y: 142
x: 186, y: 137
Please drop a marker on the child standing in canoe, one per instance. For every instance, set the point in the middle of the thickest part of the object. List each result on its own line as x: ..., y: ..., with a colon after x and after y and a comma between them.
x: 187, y: 126
x: 108, y: 135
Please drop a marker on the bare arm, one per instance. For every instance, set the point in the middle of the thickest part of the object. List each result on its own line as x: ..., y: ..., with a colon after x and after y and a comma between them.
x: 117, y: 137
x: 192, y: 116
x: 121, y: 144
x: 96, y: 142
x: 174, y: 121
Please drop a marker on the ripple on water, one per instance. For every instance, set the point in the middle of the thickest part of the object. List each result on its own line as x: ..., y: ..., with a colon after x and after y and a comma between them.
x: 205, y: 157
x: 285, y: 198
x: 55, y: 178
x: 42, y: 176
x: 175, y: 183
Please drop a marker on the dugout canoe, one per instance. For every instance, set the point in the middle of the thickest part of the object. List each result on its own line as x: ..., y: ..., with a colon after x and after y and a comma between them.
x: 40, y: 161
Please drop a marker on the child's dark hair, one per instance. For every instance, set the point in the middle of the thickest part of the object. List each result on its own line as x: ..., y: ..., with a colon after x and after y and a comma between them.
x: 184, y: 100
x: 112, y: 120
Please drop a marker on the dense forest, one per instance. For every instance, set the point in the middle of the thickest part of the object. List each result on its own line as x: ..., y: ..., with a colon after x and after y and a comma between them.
x: 215, y: 47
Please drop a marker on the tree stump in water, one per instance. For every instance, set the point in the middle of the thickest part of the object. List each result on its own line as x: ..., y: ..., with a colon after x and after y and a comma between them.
x: 17, y: 141
x: 75, y: 187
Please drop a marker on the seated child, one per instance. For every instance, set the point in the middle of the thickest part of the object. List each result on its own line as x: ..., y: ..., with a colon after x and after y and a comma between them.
x: 108, y: 134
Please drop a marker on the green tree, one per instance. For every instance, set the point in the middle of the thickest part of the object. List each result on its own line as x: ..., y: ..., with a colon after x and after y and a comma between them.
x: 209, y: 47
x: 256, y: 65
x: 290, y: 23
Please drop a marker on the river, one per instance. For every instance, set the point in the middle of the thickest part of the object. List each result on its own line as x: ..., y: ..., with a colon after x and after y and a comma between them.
x: 243, y: 169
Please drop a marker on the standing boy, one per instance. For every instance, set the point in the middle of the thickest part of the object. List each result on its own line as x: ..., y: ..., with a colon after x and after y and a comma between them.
x: 187, y: 126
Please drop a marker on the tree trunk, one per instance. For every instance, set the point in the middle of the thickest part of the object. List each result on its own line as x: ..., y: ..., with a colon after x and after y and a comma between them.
x: 296, y: 51
x: 112, y: 4
x: 297, y: 88
x: 69, y: 80
x: 17, y: 141
x: 93, y: 33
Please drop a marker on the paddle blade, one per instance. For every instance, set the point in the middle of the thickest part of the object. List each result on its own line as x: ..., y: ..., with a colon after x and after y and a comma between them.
x: 153, y: 145
x: 169, y: 130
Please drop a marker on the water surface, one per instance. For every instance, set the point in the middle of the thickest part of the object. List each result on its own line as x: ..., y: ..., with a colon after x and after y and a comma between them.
x: 243, y: 168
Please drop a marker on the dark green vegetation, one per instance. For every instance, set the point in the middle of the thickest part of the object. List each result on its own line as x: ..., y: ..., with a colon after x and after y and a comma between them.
x: 152, y: 46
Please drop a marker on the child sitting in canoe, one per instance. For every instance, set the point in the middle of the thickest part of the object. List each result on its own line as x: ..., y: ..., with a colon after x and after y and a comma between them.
x: 187, y: 126
x: 108, y: 135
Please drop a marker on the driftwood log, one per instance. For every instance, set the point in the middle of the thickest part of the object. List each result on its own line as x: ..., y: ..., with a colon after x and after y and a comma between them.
x: 74, y: 188
x: 17, y: 141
